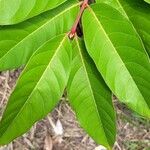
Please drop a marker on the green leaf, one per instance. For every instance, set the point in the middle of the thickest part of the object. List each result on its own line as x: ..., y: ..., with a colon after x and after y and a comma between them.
x: 39, y: 88
x: 148, y: 1
x: 138, y: 13
x: 17, y: 43
x: 14, y: 11
x: 113, y: 3
x: 119, y: 55
x: 90, y: 98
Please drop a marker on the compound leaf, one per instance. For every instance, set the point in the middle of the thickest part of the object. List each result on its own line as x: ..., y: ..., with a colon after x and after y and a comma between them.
x: 119, y: 55
x: 14, y: 11
x: 39, y: 88
x: 18, y: 42
x: 90, y: 98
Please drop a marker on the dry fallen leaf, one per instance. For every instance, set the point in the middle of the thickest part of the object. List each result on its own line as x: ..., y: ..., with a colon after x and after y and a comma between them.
x: 58, y: 128
x: 48, y: 143
x: 100, y: 148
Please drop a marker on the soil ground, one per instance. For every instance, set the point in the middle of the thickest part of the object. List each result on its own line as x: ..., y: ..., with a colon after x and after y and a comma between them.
x: 61, y: 131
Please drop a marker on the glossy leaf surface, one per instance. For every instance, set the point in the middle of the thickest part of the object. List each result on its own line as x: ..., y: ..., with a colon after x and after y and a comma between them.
x: 138, y: 13
x: 18, y: 42
x: 90, y: 98
x: 14, y: 11
x: 39, y: 88
x: 119, y: 55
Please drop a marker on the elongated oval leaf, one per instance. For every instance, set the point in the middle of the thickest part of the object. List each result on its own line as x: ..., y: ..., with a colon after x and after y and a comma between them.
x: 39, y: 88
x: 17, y: 43
x: 14, y: 11
x: 119, y: 55
x: 91, y: 98
x: 138, y: 13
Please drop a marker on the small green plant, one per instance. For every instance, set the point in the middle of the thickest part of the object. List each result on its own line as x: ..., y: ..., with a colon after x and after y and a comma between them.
x: 112, y: 56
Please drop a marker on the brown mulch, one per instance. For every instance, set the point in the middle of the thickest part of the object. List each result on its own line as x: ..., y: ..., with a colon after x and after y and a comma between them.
x: 61, y: 131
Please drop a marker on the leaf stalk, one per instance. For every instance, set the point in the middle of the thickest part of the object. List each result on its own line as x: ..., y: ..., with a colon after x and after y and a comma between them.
x: 73, y: 31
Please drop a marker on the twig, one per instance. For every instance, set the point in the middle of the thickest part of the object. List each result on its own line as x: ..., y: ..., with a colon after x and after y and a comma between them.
x: 74, y: 28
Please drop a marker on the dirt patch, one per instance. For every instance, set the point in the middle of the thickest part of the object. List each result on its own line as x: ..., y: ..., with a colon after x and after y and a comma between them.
x: 61, y: 131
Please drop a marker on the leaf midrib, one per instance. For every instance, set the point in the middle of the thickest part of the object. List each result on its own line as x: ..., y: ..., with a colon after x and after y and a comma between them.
x: 53, y: 18
x: 57, y: 50
x: 91, y: 10
x: 123, y: 9
x: 90, y: 87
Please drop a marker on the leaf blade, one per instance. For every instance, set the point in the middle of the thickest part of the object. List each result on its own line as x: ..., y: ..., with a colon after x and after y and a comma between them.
x: 19, y: 42
x: 15, y: 11
x: 39, y: 88
x: 148, y: 1
x: 91, y: 98
x: 119, y: 56
x: 137, y: 13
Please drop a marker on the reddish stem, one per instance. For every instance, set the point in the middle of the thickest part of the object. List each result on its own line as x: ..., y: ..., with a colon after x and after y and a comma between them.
x: 74, y: 28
